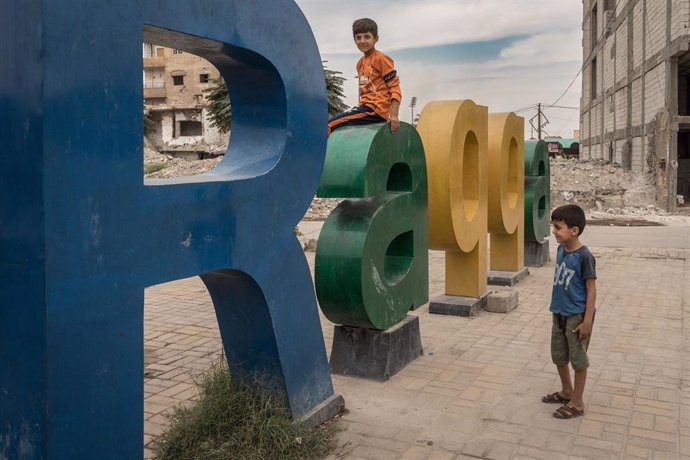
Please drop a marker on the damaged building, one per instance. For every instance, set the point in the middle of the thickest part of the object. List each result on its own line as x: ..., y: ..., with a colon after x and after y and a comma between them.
x: 173, y: 97
x: 635, y: 106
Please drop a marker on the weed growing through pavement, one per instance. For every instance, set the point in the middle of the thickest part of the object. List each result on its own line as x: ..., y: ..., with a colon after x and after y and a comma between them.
x: 231, y: 420
x: 153, y: 167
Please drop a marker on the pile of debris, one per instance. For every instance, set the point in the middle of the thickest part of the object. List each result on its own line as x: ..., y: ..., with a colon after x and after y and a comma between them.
x: 321, y: 208
x: 600, y: 185
x: 596, y: 185
x: 161, y: 166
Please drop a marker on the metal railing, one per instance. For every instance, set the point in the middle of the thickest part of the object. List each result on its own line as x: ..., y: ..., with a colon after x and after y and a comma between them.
x: 154, y: 84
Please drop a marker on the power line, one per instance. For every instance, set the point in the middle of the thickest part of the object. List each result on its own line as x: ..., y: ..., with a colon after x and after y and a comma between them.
x: 536, y: 121
x: 534, y: 106
x: 569, y: 86
x: 540, y: 125
x: 566, y: 123
x: 596, y: 45
x: 529, y: 109
x: 551, y: 117
x: 560, y: 107
x: 526, y: 108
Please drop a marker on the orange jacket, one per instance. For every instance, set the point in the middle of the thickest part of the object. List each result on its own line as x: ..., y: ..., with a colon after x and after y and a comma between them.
x: 378, y: 83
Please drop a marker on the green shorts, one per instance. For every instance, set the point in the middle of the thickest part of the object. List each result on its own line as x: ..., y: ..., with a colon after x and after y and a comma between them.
x: 566, y: 346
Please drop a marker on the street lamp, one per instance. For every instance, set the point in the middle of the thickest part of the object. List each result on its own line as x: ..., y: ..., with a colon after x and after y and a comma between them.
x: 413, y: 103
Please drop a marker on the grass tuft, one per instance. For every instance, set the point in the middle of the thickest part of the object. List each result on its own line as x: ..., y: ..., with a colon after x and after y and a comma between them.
x: 233, y: 420
x: 153, y: 167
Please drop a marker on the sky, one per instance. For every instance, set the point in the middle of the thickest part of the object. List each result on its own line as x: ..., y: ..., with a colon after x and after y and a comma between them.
x: 504, y: 54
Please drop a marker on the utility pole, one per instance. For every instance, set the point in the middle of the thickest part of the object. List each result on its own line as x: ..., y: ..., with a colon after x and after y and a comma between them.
x: 542, y: 121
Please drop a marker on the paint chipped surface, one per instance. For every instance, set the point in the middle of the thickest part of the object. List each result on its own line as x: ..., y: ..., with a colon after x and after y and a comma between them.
x: 378, y: 282
x: 92, y: 217
x: 18, y: 444
x: 4, y: 447
x: 187, y: 242
x: 95, y: 228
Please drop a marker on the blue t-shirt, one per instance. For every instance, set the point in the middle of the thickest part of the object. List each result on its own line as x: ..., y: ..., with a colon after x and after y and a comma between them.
x: 569, y: 294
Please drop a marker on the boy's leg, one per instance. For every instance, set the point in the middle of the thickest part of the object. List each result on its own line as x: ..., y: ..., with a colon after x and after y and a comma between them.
x: 566, y: 383
x: 361, y: 115
x: 559, y: 356
x: 578, y: 359
x: 580, y: 380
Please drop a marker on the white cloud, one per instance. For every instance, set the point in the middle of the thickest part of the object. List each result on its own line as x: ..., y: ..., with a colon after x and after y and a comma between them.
x: 500, y: 87
x: 411, y: 24
x: 533, y: 69
x: 545, y: 48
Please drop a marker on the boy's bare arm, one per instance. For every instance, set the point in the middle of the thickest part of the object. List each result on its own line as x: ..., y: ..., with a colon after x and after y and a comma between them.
x: 585, y: 328
x: 393, y: 118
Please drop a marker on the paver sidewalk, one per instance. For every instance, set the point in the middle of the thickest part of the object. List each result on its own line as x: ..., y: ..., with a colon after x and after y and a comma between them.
x: 475, y: 393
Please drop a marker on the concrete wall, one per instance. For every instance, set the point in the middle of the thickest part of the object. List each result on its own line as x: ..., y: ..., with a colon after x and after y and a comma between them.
x: 636, y: 83
x: 680, y: 18
x: 165, y: 133
x: 190, y: 66
x: 181, y: 102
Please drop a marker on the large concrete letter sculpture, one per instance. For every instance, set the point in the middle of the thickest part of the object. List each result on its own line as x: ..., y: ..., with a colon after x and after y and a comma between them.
x: 81, y: 234
x: 537, y: 203
x: 371, y: 258
x: 506, y: 198
x: 455, y: 143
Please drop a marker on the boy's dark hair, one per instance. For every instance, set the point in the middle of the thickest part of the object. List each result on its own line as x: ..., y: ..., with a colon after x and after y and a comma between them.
x: 364, y: 25
x: 572, y: 215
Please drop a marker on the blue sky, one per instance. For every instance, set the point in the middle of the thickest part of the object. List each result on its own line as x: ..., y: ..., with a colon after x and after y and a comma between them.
x: 505, y: 54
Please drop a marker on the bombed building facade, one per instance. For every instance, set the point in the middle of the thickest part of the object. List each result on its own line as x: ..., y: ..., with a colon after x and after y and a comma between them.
x: 173, y: 96
x: 635, y: 106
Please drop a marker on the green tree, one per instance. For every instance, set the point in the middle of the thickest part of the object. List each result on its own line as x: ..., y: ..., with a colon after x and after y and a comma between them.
x: 334, y: 91
x: 220, y: 111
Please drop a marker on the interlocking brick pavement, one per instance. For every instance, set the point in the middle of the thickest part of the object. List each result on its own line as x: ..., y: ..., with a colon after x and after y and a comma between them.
x: 475, y: 393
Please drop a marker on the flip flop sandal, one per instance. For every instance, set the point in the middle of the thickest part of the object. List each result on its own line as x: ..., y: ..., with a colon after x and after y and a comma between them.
x: 567, y: 411
x: 554, y: 398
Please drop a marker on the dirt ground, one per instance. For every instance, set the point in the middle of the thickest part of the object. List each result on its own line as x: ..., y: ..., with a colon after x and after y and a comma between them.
x: 607, y: 192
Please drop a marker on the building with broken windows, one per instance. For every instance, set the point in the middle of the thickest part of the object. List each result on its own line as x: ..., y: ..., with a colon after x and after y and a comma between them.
x: 635, y: 106
x: 173, y: 95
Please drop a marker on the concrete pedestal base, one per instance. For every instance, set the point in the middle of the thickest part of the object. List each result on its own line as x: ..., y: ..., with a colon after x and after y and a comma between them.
x: 502, y: 301
x: 323, y: 412
x: 375, y: 355
x: 500, y: 278
x: 536, y: 254
x: 457, y: 305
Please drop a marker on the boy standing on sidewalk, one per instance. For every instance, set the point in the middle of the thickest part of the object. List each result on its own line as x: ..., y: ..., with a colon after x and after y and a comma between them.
x: 573, y: 301
x: 379, y: 85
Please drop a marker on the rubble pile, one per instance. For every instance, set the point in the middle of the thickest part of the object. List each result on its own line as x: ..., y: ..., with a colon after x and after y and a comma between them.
x: 596, y: 185
x: 601, y: 186
x: 161, y: 166
x: 321, y: 208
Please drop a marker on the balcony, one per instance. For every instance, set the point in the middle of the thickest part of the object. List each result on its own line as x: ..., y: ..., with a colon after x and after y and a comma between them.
x: 154, y: 62
x: 154, y: 89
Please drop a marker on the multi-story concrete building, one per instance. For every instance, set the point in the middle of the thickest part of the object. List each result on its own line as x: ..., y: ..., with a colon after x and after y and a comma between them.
x: 173, y: 91
x: 635, y: 106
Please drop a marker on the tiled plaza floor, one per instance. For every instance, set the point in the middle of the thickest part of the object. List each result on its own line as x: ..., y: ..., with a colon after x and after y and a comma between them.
x: 475, y: 393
